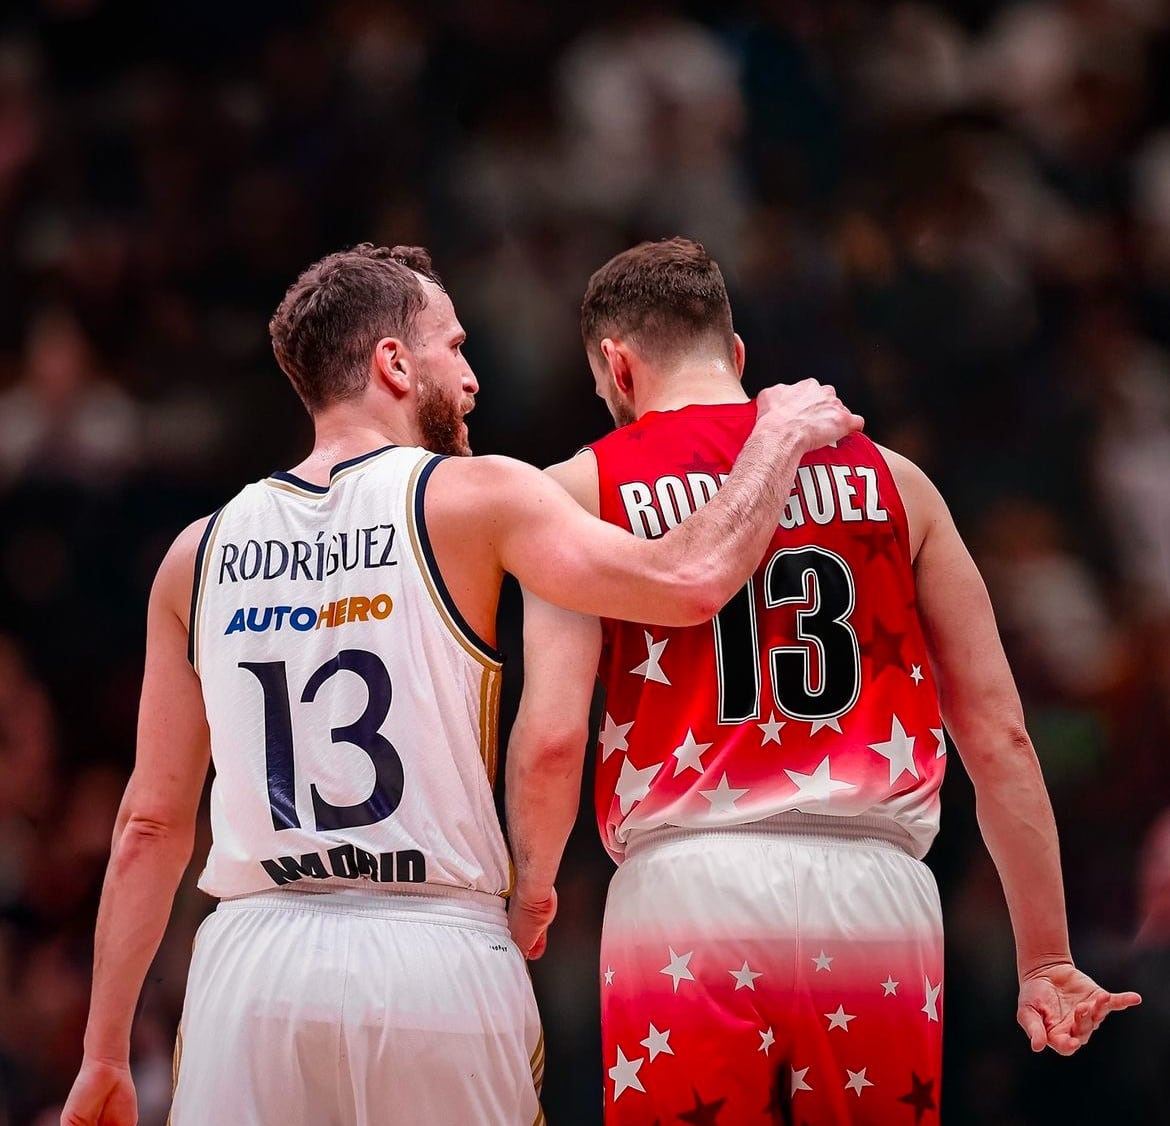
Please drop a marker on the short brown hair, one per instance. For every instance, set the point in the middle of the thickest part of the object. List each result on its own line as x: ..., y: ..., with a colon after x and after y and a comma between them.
x: 661, y: 296
x: 325, y: 328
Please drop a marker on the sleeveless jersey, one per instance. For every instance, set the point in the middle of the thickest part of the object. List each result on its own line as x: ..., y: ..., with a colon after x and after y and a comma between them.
x: 810, y: 690
x: 353, y: 713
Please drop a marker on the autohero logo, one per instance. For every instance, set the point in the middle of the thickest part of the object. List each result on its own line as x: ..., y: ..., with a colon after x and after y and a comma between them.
x: 355, y: 608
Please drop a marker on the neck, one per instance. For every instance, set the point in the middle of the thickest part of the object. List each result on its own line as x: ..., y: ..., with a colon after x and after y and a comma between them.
x: 341, y: 433
x: 707, y: 382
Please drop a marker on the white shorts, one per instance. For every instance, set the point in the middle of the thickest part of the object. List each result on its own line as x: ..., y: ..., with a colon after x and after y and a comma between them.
x: 348, y: 1009
x: 786, y: 971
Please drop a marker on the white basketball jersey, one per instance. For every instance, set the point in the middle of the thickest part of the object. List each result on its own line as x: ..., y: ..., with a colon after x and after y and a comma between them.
x: 352, y: 711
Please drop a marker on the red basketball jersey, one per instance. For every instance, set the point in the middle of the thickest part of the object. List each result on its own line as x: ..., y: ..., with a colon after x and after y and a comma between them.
x: 810, y: 690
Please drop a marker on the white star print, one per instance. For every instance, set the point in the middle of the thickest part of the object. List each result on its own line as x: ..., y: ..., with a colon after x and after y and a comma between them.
x: 890, y: 986
x: 613, y: 737
x: 899, y: 749
x: 766, y: 1040
x: 798, y: 1083
x: 931, y: 1006
x: 745, y: 978
x: 771, y: 730
x: 723, y: 797
x: 633, y: 784
x: 916, y: 674
x: 625, y: 1075
x: 650, y: 669
x: 689, y: 754
x: 657, y: 1043
x: 941, y: 749
x: 823, y: 962
x: 857, y: 1080
x: 677, y: 970
x: 818, y: 786
x: 839, y: 1019
x: 609, y: 975
x: 833, y: 724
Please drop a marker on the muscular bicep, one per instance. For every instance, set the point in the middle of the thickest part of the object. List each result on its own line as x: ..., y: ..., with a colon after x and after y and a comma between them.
x: 173, y: 746
x: 567, y: 557
x: 977, y: 692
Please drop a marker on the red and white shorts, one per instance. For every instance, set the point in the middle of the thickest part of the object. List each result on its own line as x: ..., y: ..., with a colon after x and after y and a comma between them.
x: 784, y: 972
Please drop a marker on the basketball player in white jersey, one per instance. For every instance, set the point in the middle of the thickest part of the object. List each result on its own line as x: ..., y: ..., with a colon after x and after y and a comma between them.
x: 327, y: 640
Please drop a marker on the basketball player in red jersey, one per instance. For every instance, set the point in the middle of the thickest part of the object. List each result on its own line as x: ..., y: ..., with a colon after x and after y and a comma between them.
x: 768, y: 781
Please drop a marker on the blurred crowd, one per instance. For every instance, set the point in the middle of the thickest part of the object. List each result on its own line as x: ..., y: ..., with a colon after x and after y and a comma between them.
x: 957, y: 212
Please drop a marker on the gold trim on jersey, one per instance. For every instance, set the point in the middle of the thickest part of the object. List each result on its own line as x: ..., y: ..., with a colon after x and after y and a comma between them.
x: 176, y: 1056
x: 489, y: 722
x: 429, y: 579
x: 289, y: 487
x: 536, y: 1062
x: 193, y: 626
x: 319, y: 494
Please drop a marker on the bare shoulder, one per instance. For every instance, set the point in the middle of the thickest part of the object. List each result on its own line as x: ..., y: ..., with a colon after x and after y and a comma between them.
x: 176, y: 573
x: 578, y: 477
x: 478, y: 484
x: 924, y: 504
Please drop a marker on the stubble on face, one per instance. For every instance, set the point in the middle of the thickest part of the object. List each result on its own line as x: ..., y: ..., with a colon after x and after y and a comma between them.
x: 621, y: 412
x: 440, y: 420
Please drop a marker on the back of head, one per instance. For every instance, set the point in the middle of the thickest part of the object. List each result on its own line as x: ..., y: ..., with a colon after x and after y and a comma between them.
x: 664, y: 298
x: 324, y: 330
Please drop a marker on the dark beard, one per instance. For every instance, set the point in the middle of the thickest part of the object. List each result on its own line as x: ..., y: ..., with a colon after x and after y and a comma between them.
x: 440, y: 421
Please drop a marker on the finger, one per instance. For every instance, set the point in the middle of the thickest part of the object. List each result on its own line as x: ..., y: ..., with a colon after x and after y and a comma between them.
x: 1083, y: 1020
x: 1033, y: 1025
x: 1119, y: 1001
x: 538, y: 947
x: 1064, y: 1043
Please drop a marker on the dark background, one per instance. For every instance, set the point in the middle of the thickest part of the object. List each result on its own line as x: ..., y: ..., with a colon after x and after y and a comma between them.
x: 957, y: 213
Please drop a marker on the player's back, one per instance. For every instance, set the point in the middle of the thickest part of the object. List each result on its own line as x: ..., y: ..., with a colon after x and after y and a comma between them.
x: 810, y: 690
x: 352, y: 714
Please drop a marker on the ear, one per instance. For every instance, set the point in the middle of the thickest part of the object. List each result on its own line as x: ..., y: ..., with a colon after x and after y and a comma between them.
x: 620, y: 369
x: 392, y: 365
x: 740, y: 353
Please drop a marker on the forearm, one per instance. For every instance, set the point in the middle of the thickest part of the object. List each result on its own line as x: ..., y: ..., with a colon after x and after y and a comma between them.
x: 543, y: 787
x: 718, y: 547
x: 1015, y: 816
x: 145, y: 867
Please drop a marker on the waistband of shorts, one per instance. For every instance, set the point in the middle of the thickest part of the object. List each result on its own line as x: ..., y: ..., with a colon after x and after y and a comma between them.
x: 861, y: 830
x: 449, y: 906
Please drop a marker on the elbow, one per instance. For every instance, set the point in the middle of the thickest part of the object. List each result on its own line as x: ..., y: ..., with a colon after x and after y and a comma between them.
x: 148, y: 839
x: 551, y: 754
x: 698, y: 595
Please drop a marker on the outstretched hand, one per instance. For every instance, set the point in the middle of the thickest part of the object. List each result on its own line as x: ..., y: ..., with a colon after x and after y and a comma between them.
x: 1060, y: 1007
x: 102, y: 1095
x: 529, y: 920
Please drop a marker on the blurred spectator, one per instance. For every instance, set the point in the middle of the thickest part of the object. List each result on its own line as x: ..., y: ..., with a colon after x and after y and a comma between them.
x: 64, y: 419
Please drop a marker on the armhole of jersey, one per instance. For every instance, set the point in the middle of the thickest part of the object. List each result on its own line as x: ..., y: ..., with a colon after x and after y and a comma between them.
x: 198, y: 582
x: 420, y: 541
x: 899, y: 515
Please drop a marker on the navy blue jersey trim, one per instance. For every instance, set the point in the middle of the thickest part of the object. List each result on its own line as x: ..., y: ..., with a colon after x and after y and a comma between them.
x: 197, y: 584
x: 424, y: 541
x: 321, y: 490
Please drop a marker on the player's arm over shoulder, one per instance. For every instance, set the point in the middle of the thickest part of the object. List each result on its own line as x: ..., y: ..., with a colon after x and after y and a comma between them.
x: 528, y: 524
